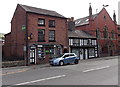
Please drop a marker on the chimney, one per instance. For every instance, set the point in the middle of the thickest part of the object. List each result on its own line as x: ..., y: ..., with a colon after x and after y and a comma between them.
x: 71, y: 24
x: 114, y: 17
x: 90, y: 10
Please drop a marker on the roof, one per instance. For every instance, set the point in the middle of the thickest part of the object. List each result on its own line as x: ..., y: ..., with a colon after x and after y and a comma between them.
x: 79, y: 34
x: 84, y: 20
x: 41, y: 11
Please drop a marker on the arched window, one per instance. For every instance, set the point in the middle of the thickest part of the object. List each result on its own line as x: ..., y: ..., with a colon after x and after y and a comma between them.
x: 97, y: 33
x: 105, y: 32
x: 112, y: 34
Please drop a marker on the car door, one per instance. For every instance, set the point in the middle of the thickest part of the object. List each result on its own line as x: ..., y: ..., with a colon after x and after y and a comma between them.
x: 71, y: 58
x: 66, y: 58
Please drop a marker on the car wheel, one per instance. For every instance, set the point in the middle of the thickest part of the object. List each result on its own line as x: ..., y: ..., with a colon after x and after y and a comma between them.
x: 76, y: 61
x: 61, y: 63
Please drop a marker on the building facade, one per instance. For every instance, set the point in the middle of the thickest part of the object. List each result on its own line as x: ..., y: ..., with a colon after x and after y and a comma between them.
x: 36, y: 35
x: 81, y: 43
x: 103, y: 28
x: 119, y: 12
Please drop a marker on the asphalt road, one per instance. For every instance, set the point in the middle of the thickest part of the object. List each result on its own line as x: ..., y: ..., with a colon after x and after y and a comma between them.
x: 90, y: 72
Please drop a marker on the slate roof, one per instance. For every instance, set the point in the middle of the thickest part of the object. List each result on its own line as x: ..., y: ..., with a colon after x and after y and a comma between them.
x: 41, y: 11
x: 79, y: 34
x: 84, y: 20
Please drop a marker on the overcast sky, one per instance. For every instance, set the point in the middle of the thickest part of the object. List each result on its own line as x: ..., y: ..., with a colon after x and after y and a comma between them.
x: 68, y: 8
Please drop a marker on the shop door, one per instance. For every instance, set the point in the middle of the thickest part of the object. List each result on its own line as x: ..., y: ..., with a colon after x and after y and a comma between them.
x: 32, y: 56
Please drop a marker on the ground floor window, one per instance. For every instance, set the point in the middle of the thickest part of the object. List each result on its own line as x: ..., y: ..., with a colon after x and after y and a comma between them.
x: 91, y: 52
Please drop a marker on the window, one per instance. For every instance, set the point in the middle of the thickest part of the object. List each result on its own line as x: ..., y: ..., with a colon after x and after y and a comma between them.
x: 97, y: 33
x: 91, y: 52
x: 76, y: 42
x: 105, y: 33
x: 112, y: 34
x: 52, y: 35
x: 51, y: 23
x: 41, y: 35
x: 118, y: 35
x: 41, y: 22
x: 104, y: 17
x: 41, y: 53
x: 119, y: 28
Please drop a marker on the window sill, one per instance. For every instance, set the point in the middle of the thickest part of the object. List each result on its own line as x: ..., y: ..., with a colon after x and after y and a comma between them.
x: 42, y: 41
x: 52, y: 41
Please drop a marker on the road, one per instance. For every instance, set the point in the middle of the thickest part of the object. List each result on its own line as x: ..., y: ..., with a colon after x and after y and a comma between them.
x: 87, y: 72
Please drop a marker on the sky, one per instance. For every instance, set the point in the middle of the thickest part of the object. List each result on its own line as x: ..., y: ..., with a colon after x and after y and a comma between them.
x: 68, y: 8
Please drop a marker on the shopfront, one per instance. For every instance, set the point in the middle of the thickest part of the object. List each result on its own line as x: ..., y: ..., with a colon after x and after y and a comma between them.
x: 41, y: 53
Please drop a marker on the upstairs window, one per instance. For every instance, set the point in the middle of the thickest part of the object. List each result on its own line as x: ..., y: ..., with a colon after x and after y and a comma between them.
x: 51, y: 23
x: 41, y: 35
x: 41, y: 22
x: 119, y: 28
x: 112, y: 34
x: 51, y: 35
x: 105, y: 32
x: 97, y: 33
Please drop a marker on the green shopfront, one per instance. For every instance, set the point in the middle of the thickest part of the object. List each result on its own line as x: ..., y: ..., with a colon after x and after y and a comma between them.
x: 42, y: 53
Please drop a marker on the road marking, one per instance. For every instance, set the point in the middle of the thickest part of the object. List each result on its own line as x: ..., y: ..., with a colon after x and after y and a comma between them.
x: 23, y: 70
x: 96, y: 69
x: 39, y: 80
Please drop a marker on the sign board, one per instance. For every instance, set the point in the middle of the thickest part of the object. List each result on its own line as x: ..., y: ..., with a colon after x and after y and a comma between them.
x: 39, y: 45
x: 23, y: 27
x: 24, y: 48
x: 47, y: 51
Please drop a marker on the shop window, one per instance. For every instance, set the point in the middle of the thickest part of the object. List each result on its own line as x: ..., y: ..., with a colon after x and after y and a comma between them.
x: 41, y: 22
x: 91, y: 53
x: 94, y: 42
x: 52, y: 36
x: 41, y: 53
x: 51, y: 23
x: 41, y: 35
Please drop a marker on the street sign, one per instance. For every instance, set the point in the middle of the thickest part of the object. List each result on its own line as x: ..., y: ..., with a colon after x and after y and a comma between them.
x: 23, y: 27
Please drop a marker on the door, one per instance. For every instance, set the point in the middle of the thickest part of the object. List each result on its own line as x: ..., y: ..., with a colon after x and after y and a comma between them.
x: 81, y: 53
x: 32, y: 56
x: 85, y: 53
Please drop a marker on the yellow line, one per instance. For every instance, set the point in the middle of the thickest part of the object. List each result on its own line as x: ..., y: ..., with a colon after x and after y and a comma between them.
x: 23, y: 70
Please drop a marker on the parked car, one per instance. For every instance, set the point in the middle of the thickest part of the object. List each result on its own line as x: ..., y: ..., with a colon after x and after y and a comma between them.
x: 65, y: 59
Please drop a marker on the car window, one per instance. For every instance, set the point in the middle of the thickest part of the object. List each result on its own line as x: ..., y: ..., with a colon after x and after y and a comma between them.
x: 65, y: 56
x: 72, y: 55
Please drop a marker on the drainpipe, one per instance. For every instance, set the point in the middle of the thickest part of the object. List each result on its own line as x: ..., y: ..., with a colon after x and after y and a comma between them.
x: 26, y: 36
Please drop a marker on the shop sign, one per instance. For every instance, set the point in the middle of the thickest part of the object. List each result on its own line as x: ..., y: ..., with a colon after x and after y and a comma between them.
x: 24, y: 48
x: 40, y: 46
x: 47, y: 51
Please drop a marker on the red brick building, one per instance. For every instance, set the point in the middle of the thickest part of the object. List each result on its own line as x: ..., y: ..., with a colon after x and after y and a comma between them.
x: 118, y: 27
x: 104, y: 28
x: 36, y: 35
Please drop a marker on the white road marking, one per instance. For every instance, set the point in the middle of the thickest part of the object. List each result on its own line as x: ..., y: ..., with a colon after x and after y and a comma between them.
x: 96, y: 69
x: 54, y: 77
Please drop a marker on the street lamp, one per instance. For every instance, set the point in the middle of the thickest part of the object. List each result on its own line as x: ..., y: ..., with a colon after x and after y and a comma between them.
x: 105, y: 6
